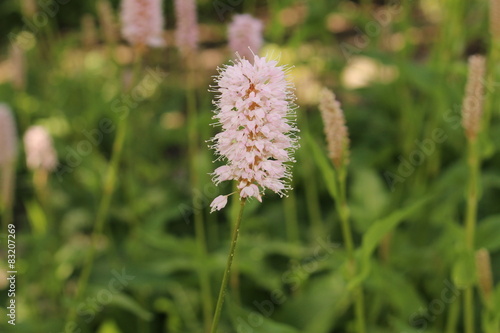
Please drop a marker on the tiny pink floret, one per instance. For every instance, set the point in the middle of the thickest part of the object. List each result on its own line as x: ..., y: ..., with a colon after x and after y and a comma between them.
x: 218, y: 203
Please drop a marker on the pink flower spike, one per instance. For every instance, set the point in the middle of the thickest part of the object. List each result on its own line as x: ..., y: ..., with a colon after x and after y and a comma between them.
x: 186, y: 33
x: 218, y: 203
x: 8, y: 136
x: 142, y: 22
x: 40, y: 153
x: 255, y: 110
x: 245, y: 35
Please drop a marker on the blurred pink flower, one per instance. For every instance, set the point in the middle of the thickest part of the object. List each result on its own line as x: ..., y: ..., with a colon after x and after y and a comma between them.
x: 245, y: 35
x: 337, y: 134
x: 40, y: 153
x: 142, y: 22
x: 254, y: 108
x: 473, y: 103
x: 186, y: 34
x: 8, y: 136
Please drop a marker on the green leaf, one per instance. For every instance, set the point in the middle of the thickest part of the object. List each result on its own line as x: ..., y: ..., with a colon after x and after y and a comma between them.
x: 127, y: 303
x: 369, y: 197
x: 406, y: 301
x: 487, y: 234
x: 109, y: 327
x: 464, y: 270
x: 37, y: 217
x: 318, y: 305
x: 372, y: 238
x: 325, y: 166
x: 258, y: 322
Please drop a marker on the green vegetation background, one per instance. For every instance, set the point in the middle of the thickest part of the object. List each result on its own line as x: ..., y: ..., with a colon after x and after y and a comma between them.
x: 399, y: 81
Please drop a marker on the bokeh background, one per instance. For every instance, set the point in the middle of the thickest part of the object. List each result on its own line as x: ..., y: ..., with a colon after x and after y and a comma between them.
x: 399, y: 69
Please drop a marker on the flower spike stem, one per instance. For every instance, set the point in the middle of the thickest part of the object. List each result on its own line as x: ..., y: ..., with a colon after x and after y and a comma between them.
x: 225, y: 278
x: 470, y: 226
x: 105, y: 203
x: 343, y: 210
x: 199, y: 225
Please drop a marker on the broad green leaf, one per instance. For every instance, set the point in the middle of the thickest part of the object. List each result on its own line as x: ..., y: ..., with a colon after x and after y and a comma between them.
x: 109, y: 327
x: 372, y: 238
x: 128, y: 303
x: 369, y: 197
x: 464, y: 270
x: 258, y: 321
x: 37, y: 217
x: 404, y: 302
x: 316, y: 307
x: 487, y: 234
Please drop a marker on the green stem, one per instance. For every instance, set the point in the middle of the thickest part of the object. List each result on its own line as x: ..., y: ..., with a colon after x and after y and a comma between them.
x: 102, y: 213
x: 453, y: 313
x: 472, y: 195
x: 200, y: 234
x: 311, y: 190
x: 292, y: 223
x: 105, y: 203
x: 234, y: 279
x: 489, y: 102
x: 470, y: 226
x: 222, y: 292
x: 343, y: 211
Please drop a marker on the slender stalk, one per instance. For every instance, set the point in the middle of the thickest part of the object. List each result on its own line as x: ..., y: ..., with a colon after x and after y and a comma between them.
x: 489, y: 101
x: 40, y: 179
x: 470, y: 226
x: 102, y: 212
x: 200, y: 234
x: 222, y: 292
x: 343, y: 210
x: 105, y: 203
x: 234, y: 279
x: 291, y: 221
x: 453, y: 313
x: 311, y: 190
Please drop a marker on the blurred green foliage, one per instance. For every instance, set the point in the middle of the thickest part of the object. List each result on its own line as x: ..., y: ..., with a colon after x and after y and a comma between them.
x: 402, y: 79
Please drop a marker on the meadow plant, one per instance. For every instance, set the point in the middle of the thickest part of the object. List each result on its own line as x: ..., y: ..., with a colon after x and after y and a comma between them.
x: 41, y: 158
x: 484, y: 275
x: 256, y: 112
x: 40, y: 153
x: 107, y: 22
x: 186, y: 33
x: 89, y: 32
x: 472, y: 110
x: 142, y: 23
x: 495, y: 19
x: 245, y: 35
x: 18, y: 66
x: 186, y: 39
x: 337, y: 138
